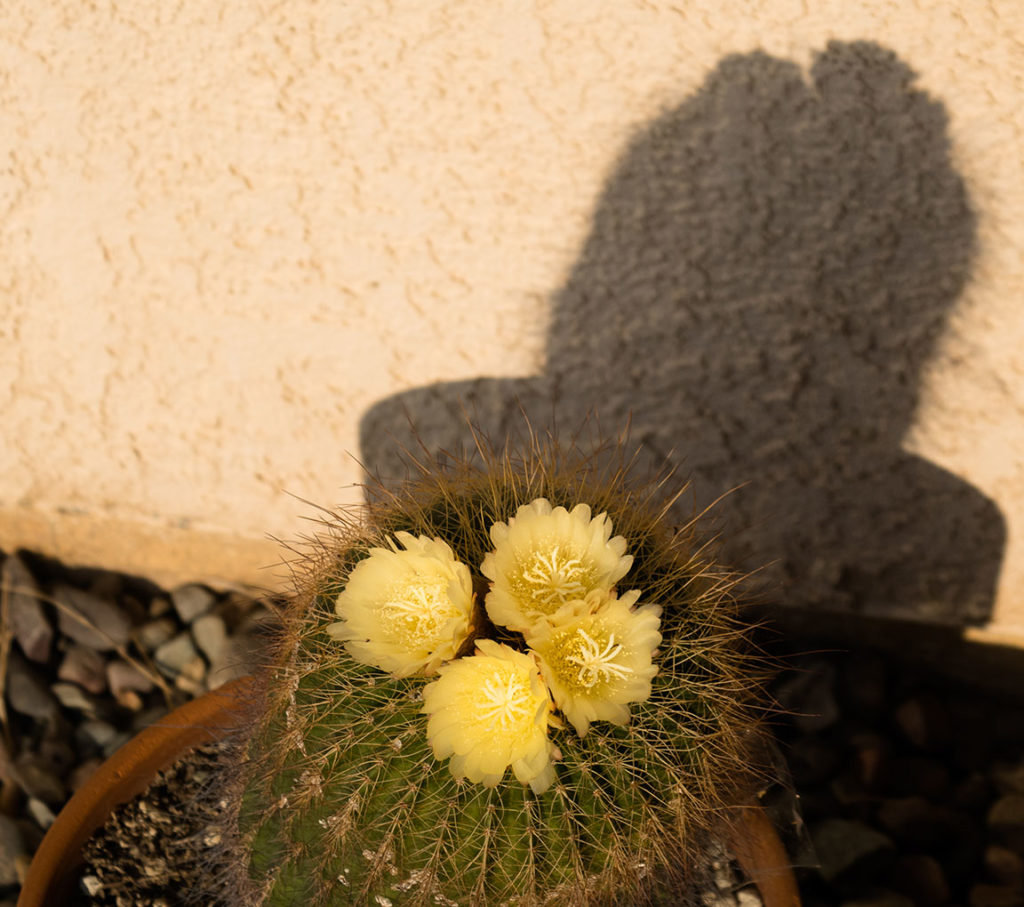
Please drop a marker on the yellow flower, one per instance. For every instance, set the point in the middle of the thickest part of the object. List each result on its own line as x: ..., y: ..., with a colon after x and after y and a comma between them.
x: 406, y: 610
x: 547, y: 557
x: 598, y: 659
x: 488, y: 712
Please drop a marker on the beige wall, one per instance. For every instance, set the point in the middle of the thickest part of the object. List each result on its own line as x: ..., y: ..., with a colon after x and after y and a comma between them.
x: 230, y: 229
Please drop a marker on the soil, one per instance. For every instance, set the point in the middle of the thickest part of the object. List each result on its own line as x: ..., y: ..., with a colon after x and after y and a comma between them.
x: 155, y: 849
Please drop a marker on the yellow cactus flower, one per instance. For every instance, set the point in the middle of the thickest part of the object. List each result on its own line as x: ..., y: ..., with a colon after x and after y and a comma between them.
x: 546, y: 557
x: 599, y: 658
x: 488, y: 712
x: 406, y: 610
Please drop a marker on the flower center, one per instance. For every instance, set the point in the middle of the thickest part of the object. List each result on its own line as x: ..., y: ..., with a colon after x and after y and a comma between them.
x: 595, y: 664
x: 506, y: 700
x: 415, y: 612
x: 555, y: 577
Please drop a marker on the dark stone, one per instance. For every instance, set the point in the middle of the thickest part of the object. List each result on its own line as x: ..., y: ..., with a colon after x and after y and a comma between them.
x: 924, y: 722
x: 847, y: 848
x: 921, y: 878
x: 99, y: 624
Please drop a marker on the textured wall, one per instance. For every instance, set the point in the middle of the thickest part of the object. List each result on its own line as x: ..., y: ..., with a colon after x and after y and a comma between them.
x: 239, y: 239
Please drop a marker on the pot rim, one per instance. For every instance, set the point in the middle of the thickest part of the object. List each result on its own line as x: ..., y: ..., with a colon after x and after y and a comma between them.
x: 53, y: 873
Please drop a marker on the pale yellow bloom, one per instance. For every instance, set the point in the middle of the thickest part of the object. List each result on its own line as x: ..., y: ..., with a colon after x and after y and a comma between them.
x: 406, y: 610
x: 488, y: 712
x: 547, y: 557
x: 599, y: 658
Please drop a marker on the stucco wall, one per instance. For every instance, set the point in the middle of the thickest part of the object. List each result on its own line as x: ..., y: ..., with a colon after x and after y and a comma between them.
x: 235, y: 236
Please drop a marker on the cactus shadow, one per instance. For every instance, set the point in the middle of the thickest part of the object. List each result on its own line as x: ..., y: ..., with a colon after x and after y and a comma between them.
x: 769, y: 268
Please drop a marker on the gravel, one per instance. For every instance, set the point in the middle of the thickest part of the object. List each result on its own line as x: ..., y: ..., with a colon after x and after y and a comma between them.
x: 89, y: 658
x: 903, y: 787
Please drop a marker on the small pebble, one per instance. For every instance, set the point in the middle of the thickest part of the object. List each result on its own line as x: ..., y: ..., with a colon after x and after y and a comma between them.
x: 192, y: 600
x: 924, y: 721
x: 38, y: 779
x: 844, y: 846
x: 210, y: 635
x: 808, y: 695
x: 986, y: 895
x: 124, y: 677
x: 159, y: 606
x: 174, y: 654
x: 101, y: 624
x: 41, y: 814
x: 11, y: 847
x: 1006, y: 821
x: 99, y: 733
x: 192, y: 676
x: 28, y: 620
x: 72, y: 696
x: 154, y: 634
x: 84, y: 666
x: 82, y: 773
x: 129, y: 699
x: 27, y: 691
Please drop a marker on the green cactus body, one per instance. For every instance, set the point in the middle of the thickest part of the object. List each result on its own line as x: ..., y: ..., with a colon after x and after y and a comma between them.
x: 342, y: 801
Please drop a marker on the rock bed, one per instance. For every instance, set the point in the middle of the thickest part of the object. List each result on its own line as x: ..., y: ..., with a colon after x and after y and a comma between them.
x: 910, y: 787
x: 87, y: 659
x: 907, y: 789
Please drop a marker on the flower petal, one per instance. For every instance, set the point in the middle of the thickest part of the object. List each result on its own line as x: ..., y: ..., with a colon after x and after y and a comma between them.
x: 546, y: 557
x: 406, y: 609
x: 490, y: 711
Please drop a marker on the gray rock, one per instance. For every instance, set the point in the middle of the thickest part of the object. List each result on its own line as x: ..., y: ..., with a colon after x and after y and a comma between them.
x: 192, y: 677
x: 55, y: 750
x: 11, y: 847
x: 192, y: 600
x: 124, y: 677
x: 174, y: 654
x: 28, y: 621
x: 881, y: 899
x: 155, y: 633
x: 72, y: 696
x: 1004, y: 865
x: 38, y: 780
x: 210, y: 635
x: 921, y: 878
x: 924, y: 721
x: 100, y: 624
x: 995, y: 896
x: 82, y: 773
x: 1006, y: 821
x: 809, y: 696
x: 1009, y: 778
x: 843, y: 846
x: 84, y: 666
x: 40, y: 813
x: 98, y: 733
x: 27, y: 692
x: 241, y: 655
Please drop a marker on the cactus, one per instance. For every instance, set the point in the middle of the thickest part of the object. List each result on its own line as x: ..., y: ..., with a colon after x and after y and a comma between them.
x: 343, y: 798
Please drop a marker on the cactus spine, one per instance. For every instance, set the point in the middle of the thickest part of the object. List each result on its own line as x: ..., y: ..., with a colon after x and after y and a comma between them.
x: 341, y: 800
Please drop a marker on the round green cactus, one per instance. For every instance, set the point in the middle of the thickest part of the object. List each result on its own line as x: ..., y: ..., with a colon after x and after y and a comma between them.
x: 347, y: 794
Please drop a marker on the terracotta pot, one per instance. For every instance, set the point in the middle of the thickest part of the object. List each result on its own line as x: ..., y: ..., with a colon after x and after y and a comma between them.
x: 53, y: 875
x: 56, y: 867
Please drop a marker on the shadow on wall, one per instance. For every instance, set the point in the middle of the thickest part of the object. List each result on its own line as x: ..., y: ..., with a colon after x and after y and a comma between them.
x: 770, y: 266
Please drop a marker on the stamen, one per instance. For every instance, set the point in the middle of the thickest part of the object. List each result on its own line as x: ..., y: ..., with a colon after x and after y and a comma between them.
x: 506, y: 704
x: 597, y: 664
x: 555, y: 577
